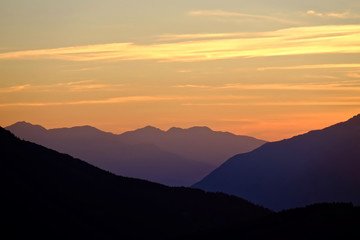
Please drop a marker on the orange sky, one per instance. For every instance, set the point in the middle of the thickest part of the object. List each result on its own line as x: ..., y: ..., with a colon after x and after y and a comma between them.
x: 269, y: 70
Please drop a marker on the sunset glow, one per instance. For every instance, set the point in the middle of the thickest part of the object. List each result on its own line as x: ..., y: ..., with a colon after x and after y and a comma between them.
x: 270, y: 71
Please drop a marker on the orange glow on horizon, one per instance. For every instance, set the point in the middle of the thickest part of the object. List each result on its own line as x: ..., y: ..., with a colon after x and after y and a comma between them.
x: 267, y: 70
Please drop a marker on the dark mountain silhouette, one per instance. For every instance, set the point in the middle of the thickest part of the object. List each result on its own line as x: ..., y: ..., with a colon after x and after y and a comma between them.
x: 319, y: 166
x: 48, y: 195
x: 317, y: 221
x: 147, y: 153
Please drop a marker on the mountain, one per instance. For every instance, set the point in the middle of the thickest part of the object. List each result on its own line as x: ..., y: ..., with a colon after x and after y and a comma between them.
x: 177, y: 157
x: 317, y: 221
x: 319, y: 166
x: 49, y: 195
x: 108, y: 151
x: 200, y: 143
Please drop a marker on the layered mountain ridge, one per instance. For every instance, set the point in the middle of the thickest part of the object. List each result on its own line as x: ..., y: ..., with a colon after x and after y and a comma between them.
x: 177, y: 157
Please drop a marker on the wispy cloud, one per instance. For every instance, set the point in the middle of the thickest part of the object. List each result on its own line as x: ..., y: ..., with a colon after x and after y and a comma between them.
x: 287, y: 87
x: 199, y: 36
x: 85, y: 85
x: 314, y: 66
x: 185, y: 71
x: 279, y: 104
x: 353, y: 75
x: 100, y: 101
x: 222, y: 13
x: 127, y: 99
x: 12, y: 89
x: 291, y: 41
x: 343, y: 15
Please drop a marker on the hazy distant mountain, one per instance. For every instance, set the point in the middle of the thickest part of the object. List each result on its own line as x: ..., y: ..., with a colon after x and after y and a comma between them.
x: 109, y: 152
x: 200, y: 143
x: 48, y: 195
x: 320, y: 166
x: 147, y: 153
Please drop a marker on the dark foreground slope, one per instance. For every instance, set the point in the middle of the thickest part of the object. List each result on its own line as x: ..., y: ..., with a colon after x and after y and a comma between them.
x: 48, y: 195
x: 317, y: 221
x: 320, y: 166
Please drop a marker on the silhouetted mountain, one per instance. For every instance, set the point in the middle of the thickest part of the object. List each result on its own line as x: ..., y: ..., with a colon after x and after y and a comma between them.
x: 200, y: 143
x: 147, y: 153
x: 48, y: 195
x: 108, y: 151
x: 320, y: 166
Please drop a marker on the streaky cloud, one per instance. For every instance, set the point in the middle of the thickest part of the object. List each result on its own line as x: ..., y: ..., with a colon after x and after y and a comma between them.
x: 342, y: 15
x: 277, y: 86
x: 332, y: 39
x: 314, y: 66
x: 222, y: 13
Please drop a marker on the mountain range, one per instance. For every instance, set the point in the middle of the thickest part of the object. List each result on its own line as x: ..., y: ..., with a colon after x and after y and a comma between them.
x: 49, y: 195
x: 319, y: 166
x: 177, y: 157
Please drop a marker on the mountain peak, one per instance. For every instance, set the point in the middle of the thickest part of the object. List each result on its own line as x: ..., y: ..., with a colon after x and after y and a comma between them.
x: 25, y: 125
x: 197, y: 129
x: 147, y: 130
x: 201, y: 128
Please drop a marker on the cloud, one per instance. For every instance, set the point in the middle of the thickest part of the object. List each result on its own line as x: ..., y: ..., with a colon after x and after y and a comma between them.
x: 281, y: 104
x: 128, y: 99
x: 100, y: 101
x: 12, y: 89
x: 287, y: 87
x: 290, y: 41
x: 192, y: 86
x: 200, y: 36
x: 85, y: 85
x: 221, y: 13
x: 314, y: 66
x: 185, y: 71
x: 344, y: 15
x: 353, y: 75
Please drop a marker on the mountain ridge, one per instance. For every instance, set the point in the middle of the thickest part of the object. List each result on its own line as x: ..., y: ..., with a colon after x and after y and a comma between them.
x: 318, y: 166
x: 147, y: 153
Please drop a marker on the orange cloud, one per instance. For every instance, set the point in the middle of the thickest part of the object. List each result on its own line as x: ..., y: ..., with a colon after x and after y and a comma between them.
x: 272, y: 104
x: 129, y: 99
x: 291, y: 41
x: 14, y: 88
x: 315, y: 66
x: 85, y: 85
x: 287, y: 87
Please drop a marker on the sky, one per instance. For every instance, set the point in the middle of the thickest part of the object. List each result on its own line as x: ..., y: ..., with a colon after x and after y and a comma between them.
x: 270, y: 69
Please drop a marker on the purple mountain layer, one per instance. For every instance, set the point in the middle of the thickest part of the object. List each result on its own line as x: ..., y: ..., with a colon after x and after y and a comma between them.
x: 177, y: 157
